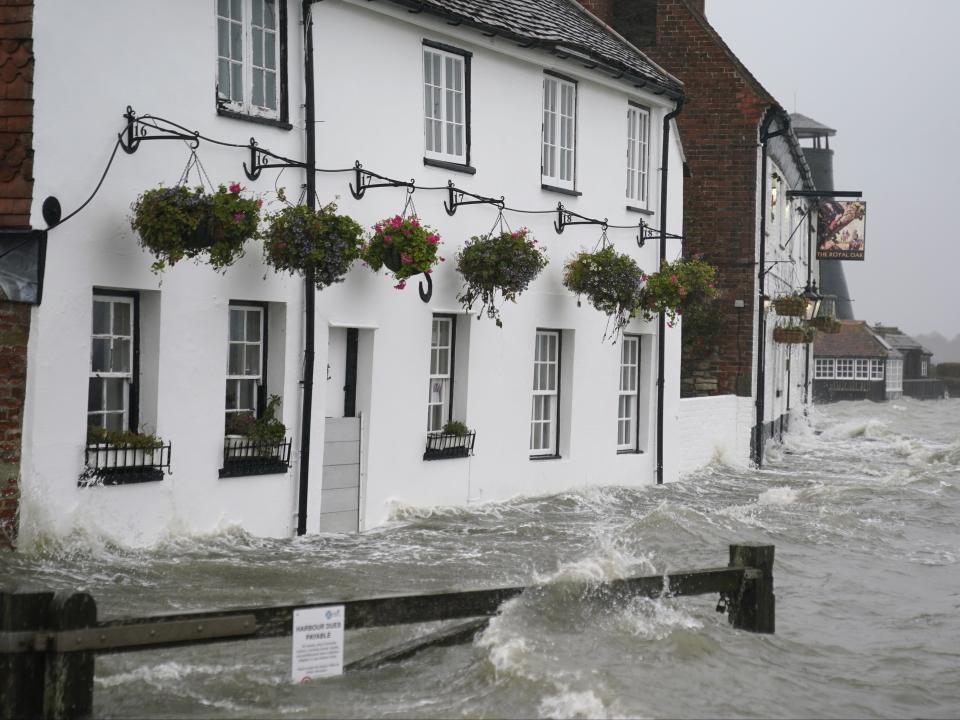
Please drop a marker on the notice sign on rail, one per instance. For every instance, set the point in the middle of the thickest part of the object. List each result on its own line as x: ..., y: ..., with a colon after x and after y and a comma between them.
x: 317, y: 643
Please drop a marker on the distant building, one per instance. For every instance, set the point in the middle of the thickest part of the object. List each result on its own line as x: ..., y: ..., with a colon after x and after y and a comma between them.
x: 917, y: 380
x: 856, y: 364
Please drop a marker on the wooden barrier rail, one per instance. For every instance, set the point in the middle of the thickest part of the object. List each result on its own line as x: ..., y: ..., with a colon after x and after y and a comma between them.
x: 48, y: 641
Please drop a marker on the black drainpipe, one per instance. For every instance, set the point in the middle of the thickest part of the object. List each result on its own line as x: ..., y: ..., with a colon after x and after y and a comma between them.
x: 662, y: 320
x: 765, y: 136
x: 808, y: 349
x: 309, y: 291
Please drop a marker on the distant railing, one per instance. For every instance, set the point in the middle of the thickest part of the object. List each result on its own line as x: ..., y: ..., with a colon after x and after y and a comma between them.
x: 48, y: 642
x: 108, y: 464
x: 441, y: 446
x: 242, y: 456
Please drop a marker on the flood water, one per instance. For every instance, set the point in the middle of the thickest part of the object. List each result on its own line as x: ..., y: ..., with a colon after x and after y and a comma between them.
x: 862, y: 505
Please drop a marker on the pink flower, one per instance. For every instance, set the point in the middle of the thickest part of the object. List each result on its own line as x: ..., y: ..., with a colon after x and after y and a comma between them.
x: 673, y: 279
x: 414, y: 221
x: 428, y: 271
x: 400, y: 285
x: 405, y: 258
x: 406, y: 231
x: 443, y: 259
x: 433, y: 239
x: 387, y: 239
x: 396, y: 221
x: 235, y: 187
x: 378, y: 227
x: 239, y: 217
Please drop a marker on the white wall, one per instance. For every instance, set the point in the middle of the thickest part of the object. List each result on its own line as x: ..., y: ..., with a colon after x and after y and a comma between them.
x: 369, y: 107
x: 714, y: 429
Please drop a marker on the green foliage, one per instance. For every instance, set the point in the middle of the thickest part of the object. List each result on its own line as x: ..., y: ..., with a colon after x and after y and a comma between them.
x: 611, y: 281
x: 265, y: 430
x: 455, y: 427
x: 678, y: 288
x: 405, y: 246
x: 793, y: 333
x: 507, y: 262
x: 97, y: 435
x: 176, y: 222
x: 790, y: 305
x: 702, y: 324
x: 948, y: 370
x: 298, y: 239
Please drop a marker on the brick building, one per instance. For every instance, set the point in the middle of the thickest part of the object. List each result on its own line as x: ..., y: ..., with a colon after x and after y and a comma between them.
x: 16, y: 237
x: 729, y: 126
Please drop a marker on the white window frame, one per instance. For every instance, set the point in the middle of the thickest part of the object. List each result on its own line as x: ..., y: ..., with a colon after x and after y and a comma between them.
x: 239, y: 378
x: 894, y: 375
x: 628, y: 397
x: 863, y: 369
x: 876, y: 369
x: 545, y: 405
x: 440, y: 384
x: 445, y: 108
x: 128, y: 375
x: 638, y: 155
x: 824, y: 369
x: 558, y: 159
x: 249, y: 33
x: 924, y: 367
x: 845, y: 368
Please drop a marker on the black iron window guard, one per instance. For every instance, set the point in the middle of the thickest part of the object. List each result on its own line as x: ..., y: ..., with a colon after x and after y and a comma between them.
x: 124, y: 464
x: 442, y: 446
x: 242, y: 457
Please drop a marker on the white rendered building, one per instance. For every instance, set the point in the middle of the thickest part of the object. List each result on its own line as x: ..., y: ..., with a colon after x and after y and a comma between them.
x: 540, y: 108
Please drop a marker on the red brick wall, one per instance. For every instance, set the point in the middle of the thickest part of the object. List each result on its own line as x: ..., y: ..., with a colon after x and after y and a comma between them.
x: 719, y: 127
x: 16, y: 196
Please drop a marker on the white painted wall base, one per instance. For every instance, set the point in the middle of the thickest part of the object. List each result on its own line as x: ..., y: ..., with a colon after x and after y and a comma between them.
x: 714, y: 429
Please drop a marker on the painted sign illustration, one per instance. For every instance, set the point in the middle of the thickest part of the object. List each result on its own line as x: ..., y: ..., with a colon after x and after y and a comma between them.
x: 841, y: 230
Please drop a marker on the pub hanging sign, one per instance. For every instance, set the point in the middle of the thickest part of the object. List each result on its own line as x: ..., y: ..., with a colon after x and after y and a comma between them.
x: 841, y: 230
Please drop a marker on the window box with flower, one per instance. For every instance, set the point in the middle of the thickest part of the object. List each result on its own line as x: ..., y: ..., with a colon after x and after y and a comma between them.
x: 455, y: 440
x: 115, y: 457
x: 404, y: 246
x: 506, y: 262
x: 176, y: 222
x: 255, y: 446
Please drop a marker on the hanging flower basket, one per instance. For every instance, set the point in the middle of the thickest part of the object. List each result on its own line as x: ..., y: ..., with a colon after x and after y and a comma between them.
x: 507, y: 262
x: 611, y: 281
x: 825, y: 324
x: 298, y: 239
x: 678, y: 287
x: 793, y: 334
x: 790, y: 305
x: 404, y: 246
x: 176, y: 222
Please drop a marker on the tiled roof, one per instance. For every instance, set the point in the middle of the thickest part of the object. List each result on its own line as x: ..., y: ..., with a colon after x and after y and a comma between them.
x: 557, y: 26
x: 904, y: 342
x: 804, y: 126
x: 855, y: 339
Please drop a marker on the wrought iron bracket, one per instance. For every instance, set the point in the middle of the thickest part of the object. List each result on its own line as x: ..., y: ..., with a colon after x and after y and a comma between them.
x: 260, y: 160
x: 566, y: 217
x: 363, y: 181
x: 427, y: 294
x: 456, y: 195
x: 138, y: 130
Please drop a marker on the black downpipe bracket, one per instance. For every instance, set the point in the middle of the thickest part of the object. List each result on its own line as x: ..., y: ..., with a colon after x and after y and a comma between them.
x: 309, y: 289
x: 662, y: 318
x: 765, y: 137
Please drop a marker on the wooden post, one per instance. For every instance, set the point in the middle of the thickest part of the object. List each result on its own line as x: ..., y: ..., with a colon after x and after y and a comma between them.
x: 754, y: 609
x: 68, y: 676
x: 23, y: 611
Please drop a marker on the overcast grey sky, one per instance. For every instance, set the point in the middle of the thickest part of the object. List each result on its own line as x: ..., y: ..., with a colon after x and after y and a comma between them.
x: 886, y: 75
